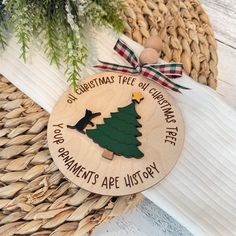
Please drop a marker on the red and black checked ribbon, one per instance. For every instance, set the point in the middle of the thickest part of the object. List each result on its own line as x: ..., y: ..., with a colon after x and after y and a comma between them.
x: 161, y: 73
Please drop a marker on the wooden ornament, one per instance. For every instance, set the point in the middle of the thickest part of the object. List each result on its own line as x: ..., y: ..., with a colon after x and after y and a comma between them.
x: 149, y: 56
x: 154, y: 42
x: 132, y: 113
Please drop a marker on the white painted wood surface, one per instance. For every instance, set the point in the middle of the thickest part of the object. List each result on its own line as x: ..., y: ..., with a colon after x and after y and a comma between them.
x: 145, y: 220
x: 222, y: 15
x: 205, y: 205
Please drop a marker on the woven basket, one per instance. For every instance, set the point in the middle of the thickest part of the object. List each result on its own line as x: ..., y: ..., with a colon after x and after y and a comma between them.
x: 35, y: 198
x: 185, y: 30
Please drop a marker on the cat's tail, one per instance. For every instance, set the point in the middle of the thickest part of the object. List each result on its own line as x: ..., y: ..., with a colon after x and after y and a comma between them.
x: 70, y: 126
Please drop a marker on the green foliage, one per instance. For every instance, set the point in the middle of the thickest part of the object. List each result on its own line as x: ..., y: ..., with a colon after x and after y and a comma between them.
x: 59, y: 25
x: 113, y: 10
x: 3, y: 26
x: 75, y: 56
x: 20, y: 20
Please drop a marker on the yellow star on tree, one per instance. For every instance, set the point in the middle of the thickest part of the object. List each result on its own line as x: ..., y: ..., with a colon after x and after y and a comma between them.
x: 137, y: 96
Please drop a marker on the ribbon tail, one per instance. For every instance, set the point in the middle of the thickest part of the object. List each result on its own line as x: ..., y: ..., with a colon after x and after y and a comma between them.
x: 127, y: 53
x: 171, y: 70
x: 162, y: 79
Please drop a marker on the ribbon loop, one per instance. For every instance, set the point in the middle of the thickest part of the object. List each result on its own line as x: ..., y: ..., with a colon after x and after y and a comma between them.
x: 128, y: 54
x: 161, y: 73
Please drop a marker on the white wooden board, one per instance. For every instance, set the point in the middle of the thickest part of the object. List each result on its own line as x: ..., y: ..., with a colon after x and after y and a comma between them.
x: 219, y: 15
x: 222, y: 15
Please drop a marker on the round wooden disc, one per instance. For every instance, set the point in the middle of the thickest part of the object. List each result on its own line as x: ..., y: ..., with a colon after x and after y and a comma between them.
x: 80, y: 159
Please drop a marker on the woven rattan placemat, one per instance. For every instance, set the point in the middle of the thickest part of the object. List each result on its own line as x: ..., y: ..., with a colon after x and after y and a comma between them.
x: 34, y: 195
x: 35, y: 198
x: 185, y: 30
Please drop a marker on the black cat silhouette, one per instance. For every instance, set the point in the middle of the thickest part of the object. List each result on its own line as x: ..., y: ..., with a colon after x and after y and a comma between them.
x: 83, y: 122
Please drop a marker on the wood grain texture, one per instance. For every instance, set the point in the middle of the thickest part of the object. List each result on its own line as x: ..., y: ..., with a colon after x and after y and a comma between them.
x: 222, y: 15
x: 224, y: 26
x: 227, y: 74
x: 83, y: 164
x: 145, y: 220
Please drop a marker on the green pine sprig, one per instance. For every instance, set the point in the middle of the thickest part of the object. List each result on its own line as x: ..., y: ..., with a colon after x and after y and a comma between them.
x: 75, y: 55
x: 59, y: 24
x: 21, y: 23
x: 113, y: 11
x: 3, y: 26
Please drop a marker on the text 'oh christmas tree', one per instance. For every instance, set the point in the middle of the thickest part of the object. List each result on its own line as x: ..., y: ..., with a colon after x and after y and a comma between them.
x: 118, y: 135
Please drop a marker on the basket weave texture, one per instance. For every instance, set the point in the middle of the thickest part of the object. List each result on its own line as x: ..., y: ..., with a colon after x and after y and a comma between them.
x: 35, y: 198
x: 184, y: 29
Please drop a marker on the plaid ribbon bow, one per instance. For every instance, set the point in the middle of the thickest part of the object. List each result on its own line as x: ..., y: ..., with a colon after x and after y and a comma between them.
x: 161, y: 73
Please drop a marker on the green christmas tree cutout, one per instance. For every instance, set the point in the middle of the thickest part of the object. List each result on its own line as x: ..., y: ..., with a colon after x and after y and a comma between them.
x: 118, y: 135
